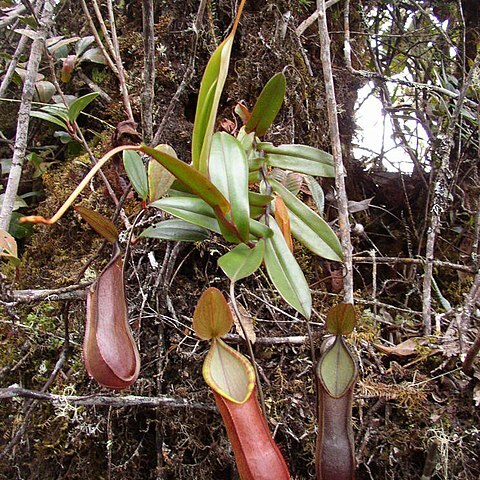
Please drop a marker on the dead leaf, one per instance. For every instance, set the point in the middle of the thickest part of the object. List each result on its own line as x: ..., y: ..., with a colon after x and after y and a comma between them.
x: 283, y: 220
x: 404, y: 349
x: 247, y: 322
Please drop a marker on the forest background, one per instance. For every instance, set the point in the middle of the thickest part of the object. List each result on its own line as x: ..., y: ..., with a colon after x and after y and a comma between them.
x: 414, y: 233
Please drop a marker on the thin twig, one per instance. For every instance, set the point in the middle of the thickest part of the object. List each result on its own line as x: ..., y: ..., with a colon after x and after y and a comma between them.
x: 98, y: 40
x: 118, y: 60
x: 249, y: 346
x: 414, y: 261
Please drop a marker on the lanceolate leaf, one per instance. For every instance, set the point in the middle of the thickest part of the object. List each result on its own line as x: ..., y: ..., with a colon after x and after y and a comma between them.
x: 209, y: 98
x: 228, y: 373
x: 336, y: 369
x: 176, y: 230
x: 79, y: 105
x: 159, y: 178
x: 136, y: 172
x: 212, y: 317
x: 299, y: 158
x: 242, y: 261
x: 102, y: 225
x: 267, y: 105
x: 109, y: 350
x: 194, y: 180
x: 286, y: 274
x: 341, y: 319
x: 228, y: 170
x: 49, y: 118
x: 307, y: 225
x: 191, y: 209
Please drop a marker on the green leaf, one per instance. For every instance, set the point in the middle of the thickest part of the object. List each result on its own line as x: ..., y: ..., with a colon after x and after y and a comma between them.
x: 285, y: 272
x: 159, y: 178
x: 260, y: 230
x: 308, y: 227
x: 212, y: 317
x: 136, y: 172
x: 53, y: 44
x: 336, y: 369
x: 259, y: 200
x: 299, y: 158
x: 57, y: 109
x: 17, y: 229
x: 242, y: 261
x: 267, y: 105
x: 229, y: 173
x: 228, y: 373
x: 209, y: 97
x: 193, y: 179
x: 176, y: 231
x: 49, y: 118
x: 341, y: 319
x: 191, y: 209
x: 80, y: 104
x: 102, y: 225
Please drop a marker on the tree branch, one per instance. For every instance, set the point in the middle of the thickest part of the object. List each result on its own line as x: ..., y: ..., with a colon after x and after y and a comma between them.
x: 163, y: 401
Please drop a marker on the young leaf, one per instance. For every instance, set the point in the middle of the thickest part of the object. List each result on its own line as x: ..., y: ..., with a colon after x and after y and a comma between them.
x: 228, y: 373
x: 258, y: 199
x: 209, y: 97
x: 285, y: 273
x: 109, y: 350
x: 242, y: 261
x: 176, y: 231
x: 306, y: 224
x: 49, y: 118
x: 194, y: 180
x: 191, y: 209
x: 102, y: 225
x: 228, y: 170
x: 267, y: 105
x: 341, y: 319
x: 159, y: 178
x: 299, y: 158
x: 80, y: 104
x: 336, y: 369
x: 212, y: 317
x: 283, y: 221
x: 136, y: 173
x: 242, y: 111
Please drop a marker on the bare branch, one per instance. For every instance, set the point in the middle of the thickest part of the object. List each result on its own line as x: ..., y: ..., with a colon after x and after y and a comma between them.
x: 163, y: 401
x: 23, y: 121
x: 340, y: 173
